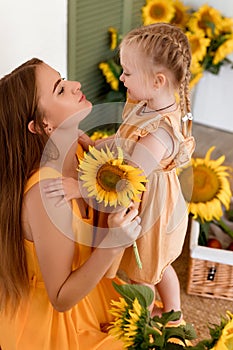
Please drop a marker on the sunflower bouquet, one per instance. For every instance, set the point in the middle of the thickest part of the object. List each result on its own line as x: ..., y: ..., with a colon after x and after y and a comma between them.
x: 211, y: 193
x: 138, y: 330
x: 209, y: 32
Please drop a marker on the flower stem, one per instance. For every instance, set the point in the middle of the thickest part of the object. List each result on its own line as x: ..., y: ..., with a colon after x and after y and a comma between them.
x: 224, y: 227
x: 137, y: 256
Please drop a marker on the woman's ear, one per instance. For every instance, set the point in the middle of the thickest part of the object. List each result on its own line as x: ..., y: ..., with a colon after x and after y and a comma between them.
x: 159, y: 80
x: 33, y: 130
x: 31, y: 127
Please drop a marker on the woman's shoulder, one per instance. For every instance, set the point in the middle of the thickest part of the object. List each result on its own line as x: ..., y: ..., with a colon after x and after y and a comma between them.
x: 44, y: 173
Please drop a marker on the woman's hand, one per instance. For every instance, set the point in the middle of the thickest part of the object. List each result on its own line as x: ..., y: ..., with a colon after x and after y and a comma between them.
x: 66, y: 188
x: 124, y: 228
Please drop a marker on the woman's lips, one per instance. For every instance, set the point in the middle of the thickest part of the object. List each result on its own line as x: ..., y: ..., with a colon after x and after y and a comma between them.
x: 83, y: 97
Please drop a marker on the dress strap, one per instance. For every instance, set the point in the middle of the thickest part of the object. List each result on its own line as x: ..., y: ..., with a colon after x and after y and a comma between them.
x: 41, y: 174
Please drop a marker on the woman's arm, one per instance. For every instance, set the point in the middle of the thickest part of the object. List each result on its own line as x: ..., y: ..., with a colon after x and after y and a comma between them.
x: 51, y: 229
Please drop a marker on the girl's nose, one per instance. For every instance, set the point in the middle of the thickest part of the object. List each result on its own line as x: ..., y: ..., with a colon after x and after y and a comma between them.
x: 121, y: 78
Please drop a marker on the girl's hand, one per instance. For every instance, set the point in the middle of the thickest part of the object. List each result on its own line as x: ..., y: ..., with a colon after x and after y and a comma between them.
x: 65, y: 187
x: 124, y: 228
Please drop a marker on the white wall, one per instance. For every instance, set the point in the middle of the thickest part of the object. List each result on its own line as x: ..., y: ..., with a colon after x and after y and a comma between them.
x: 225, y: 6
x: 212, y: 96
x: 30, y: 28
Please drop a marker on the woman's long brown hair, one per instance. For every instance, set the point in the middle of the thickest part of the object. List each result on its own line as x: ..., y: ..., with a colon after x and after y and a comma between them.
x: 20, y: 155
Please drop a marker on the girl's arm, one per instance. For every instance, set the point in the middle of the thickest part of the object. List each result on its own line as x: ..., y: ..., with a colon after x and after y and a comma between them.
x: 51, y: 229
x: 151, y: 149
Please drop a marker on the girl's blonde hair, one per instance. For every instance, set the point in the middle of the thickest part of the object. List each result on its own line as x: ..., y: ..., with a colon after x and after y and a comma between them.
x: 166, y: 45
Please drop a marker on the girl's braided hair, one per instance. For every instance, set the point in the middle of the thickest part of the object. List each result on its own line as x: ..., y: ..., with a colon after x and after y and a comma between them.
x: 166, y: 45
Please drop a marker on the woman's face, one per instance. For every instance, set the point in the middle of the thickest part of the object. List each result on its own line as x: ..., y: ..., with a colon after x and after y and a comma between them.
x: 59, y: 99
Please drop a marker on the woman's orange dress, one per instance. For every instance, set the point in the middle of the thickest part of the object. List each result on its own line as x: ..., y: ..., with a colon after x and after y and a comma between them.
x: 38, y: 326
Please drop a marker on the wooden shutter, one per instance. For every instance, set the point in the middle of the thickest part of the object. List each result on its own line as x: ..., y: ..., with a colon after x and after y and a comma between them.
x: 88, y: 39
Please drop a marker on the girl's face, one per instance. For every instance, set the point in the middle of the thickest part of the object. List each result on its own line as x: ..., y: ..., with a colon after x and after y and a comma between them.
x: 59, y: 99
x: 139, y: 85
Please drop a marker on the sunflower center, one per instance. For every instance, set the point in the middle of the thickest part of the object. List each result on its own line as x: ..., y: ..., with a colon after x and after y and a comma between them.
x: 157, y: 11
x: 178, y: 17
x: 206, y: 184
x: 195, y: 45
x: 205, y: 20
x: 110, y: 176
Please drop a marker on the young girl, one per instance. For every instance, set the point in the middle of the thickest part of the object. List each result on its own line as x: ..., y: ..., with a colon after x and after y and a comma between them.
x: 53, y: 293
x: 156, y: 136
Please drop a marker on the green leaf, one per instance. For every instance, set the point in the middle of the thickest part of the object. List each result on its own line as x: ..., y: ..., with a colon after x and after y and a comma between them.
x: 160, y: 341
x: 167, y: 317
x: 144, y: 294
x: 175, y: 332
x: 190, y: 332
x: 211, y: 25
x: 173, y: 346
x: 204, y: 233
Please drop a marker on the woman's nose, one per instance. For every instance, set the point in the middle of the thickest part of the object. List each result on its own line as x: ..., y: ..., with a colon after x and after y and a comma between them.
x: 76, y: 86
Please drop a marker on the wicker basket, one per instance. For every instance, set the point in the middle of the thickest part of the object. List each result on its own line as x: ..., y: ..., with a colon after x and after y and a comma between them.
x: 210, y: 270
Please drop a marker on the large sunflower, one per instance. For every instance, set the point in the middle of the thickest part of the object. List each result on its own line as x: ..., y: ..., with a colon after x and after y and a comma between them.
x: 211, y: 188
x: 109, y: 179
x: 181, y: 15
x: 129, y: 321
x: 207, y: 20
x: 158, y: 11
x: 119, y: 309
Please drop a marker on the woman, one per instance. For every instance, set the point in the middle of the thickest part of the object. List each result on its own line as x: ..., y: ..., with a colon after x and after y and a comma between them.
x: 53, y: 293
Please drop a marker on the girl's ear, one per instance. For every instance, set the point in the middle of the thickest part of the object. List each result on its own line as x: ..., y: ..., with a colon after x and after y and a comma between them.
x: 159, y: 80
x: 31, y: 127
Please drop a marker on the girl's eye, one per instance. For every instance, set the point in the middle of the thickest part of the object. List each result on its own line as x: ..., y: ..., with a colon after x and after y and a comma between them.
x: 126, y: 74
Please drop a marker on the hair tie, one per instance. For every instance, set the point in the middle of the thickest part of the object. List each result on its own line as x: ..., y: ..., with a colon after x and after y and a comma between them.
x: 187, y: 116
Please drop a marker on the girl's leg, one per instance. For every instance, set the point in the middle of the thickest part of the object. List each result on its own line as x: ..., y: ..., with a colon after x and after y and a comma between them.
x: 169, y: 291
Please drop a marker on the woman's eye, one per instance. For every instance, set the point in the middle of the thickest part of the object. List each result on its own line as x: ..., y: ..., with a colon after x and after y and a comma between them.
x: 61, y: 90
x: 126, y: 74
